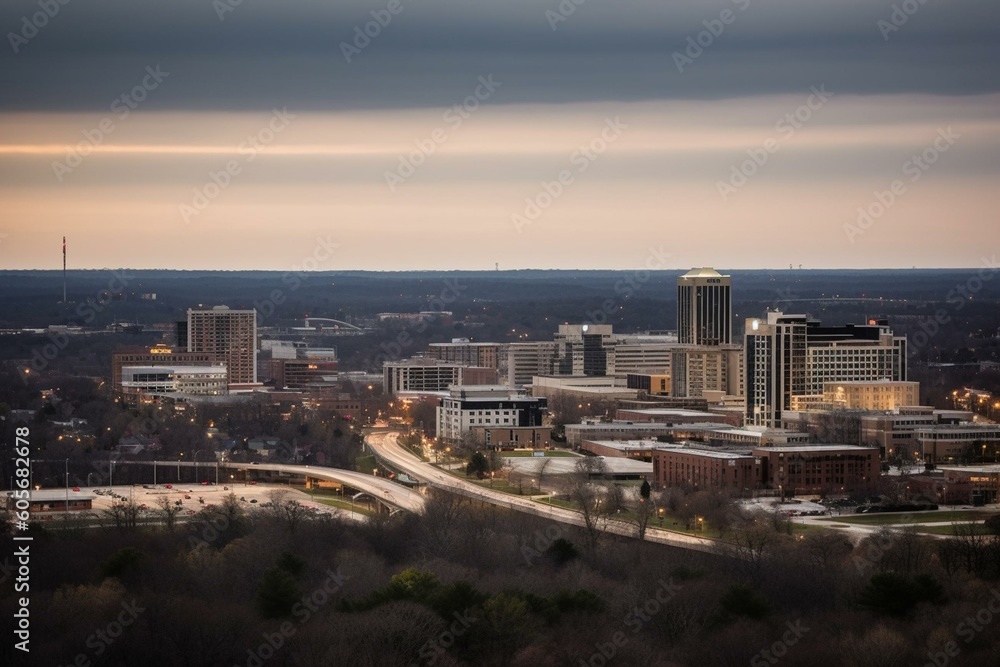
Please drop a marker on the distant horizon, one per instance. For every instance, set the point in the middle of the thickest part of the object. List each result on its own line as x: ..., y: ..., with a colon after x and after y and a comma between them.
x: 491, y: 270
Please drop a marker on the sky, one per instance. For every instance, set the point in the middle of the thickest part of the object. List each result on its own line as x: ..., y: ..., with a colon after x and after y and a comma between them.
x: 468, y: 134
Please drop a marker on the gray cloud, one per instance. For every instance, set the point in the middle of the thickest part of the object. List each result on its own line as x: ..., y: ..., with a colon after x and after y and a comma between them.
x: 288, y: 53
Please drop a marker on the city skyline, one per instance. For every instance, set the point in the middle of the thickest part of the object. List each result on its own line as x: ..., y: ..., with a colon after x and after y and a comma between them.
x: 729, y: 133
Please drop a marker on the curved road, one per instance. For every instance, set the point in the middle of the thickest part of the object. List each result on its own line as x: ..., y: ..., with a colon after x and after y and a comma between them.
x: 385, y: 446
x: 380, y: 488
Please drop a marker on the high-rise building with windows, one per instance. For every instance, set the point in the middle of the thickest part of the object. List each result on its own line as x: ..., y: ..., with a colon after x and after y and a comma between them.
x: 704, y: 308
x: 789, y: 358
x: 231, y: 335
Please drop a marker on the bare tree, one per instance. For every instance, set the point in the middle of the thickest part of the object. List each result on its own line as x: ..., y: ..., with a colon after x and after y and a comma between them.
x: 644, y: 511
x: 285, y: 508
x: 751, y: 544
x: 169, y: 511
x: 588, y: 495
x: 124, y: 513
x: 540, y: 470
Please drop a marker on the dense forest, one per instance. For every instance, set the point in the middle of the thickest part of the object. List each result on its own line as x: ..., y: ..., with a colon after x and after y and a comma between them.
x: 468, y: 584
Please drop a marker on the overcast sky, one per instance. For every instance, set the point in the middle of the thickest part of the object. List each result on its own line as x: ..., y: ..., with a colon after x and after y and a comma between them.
x: 832, y: 99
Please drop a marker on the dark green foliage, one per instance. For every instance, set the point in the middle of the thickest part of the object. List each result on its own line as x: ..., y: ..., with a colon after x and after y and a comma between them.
x: 645, y: 490
x: 892, y: 594
x: 562, y: 551
x: 578, y: 601
x: 456, y: 598
x: 993, y: 524
x: 741, y: 600
x: 291, y: 564
x: 683, y: 573
x: 277, y: 593
x: 121, y: 562
x: 478, y: 465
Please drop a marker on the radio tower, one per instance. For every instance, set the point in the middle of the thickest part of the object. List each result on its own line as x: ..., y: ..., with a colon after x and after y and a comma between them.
x: 64, y: 269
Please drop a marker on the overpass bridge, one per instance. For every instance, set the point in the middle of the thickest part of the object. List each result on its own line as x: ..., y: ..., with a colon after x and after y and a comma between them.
x: 392, y: 496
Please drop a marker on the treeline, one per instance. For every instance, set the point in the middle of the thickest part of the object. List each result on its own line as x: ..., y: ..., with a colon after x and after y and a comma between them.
x: 473, y: 584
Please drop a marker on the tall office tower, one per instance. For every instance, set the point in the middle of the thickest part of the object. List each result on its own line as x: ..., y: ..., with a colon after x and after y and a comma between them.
x: 789, y: 359
x: 704, y: 308
x: 585, y: 349
x: 775, y: 366
x: 231, y: 335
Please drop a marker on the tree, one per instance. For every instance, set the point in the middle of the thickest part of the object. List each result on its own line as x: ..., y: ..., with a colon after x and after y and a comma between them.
x: 644, y: 511
x: 587, y: 495
x: 124, y: 514
x: 277, y: 592
x: 169, y: 511
x: 478, y: 465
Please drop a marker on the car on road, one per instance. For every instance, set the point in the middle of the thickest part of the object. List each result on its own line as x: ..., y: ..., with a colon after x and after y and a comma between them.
x: 253, y: 500
x: 169, y: 486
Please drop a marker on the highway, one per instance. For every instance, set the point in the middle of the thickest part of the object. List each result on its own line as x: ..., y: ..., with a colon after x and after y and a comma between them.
x: 383, y: 490
x: 384, y: 444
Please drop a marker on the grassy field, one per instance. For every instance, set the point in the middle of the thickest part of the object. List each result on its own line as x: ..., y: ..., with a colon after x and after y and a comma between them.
x: 347, y: 506
x: 908, y: 518
x: 948, y: 529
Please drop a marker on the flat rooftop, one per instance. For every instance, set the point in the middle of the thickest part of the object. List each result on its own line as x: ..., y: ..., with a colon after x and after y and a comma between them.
x: 46, y: 495
x: 672, y: 412
x: 564, y: 465
x: 624, y: 445
x: 708, y: 453
x: 987, y: 470
x: 816, y: 448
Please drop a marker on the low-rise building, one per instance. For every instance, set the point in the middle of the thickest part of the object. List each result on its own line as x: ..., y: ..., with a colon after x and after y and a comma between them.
x: 817, y: 468
x: 641, y: 450
x: 55, y: 500
x: 466, y: 407
x: 514, y: 437
x: 155, y: 381
x: 737, y: 472
x: 615, y: 430
x: 670, y: 416
x: 871, y: 395
x: 953, y: 443
x: 422, y: 374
